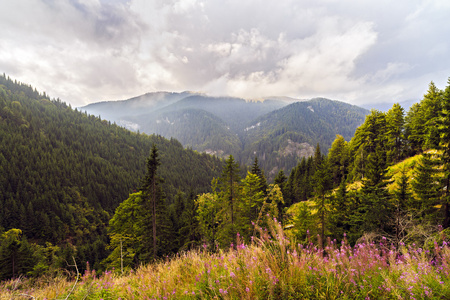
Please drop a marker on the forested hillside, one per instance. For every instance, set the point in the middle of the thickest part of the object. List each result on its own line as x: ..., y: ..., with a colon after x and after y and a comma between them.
x: 390, y: 180
x: 283, y: 137
x: 63, y: 173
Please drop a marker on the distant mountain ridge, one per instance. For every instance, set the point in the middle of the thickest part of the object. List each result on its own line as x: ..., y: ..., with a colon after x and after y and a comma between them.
x: 279, y: 130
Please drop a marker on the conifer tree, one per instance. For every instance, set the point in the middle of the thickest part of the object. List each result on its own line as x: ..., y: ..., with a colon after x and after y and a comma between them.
x: 444, y: 132
x: 280, y: 180
x: 153, y: 198
x: 229, y: 185
x: 425, y: 185
x: 415, y: 128
x: 375, y: 210
x: 395, y: 122
x: 338, y: 159
x: 431, y: 106
x: 402, y: 197
x: 322, y: 183
x: 258, y: 172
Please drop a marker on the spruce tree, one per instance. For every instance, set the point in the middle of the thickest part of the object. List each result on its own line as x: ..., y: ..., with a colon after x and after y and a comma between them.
x: 256, y: 170
x: 152, y: 194
x: 425, y: 185
x: 395, y: 122
x: 402, y: 197
x: 281, y: 180
x: 229, y: 185
x: 322, y: 183
x: 444, y: 132
x: 376, y: 209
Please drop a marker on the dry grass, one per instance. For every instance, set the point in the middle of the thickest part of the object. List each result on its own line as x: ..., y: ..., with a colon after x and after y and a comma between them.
x: 272, y: 267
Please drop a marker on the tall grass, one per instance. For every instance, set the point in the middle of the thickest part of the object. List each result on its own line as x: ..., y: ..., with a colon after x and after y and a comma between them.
x: 271, y: 267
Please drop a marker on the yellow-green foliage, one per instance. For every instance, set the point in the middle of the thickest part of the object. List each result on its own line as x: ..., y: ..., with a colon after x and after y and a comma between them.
x: 409, y: 165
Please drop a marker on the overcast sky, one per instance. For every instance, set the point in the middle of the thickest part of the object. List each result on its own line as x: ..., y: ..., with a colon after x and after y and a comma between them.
x: 359, y: 52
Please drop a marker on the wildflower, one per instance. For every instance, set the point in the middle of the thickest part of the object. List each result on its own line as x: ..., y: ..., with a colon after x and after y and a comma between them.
x: 247, y: 289
x: 232, y: 274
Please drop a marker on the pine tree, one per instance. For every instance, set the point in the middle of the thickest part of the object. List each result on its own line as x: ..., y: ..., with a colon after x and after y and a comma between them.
x: 322, y: 183
x: 402, y: 197
x: 444, y: 132
x: 229, y: 185
x: 338, y: 159
x: 425, y: 185
x: 281, y: 181
x: 415, y: 129
x: 376, y: 209
x: 395, y: 122
x: 431, y: 106
x: 152, y: 194
x: 258, y: 172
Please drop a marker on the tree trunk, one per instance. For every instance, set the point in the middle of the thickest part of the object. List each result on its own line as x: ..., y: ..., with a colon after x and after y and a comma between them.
x: 154, y: 218
x: 446, y: 205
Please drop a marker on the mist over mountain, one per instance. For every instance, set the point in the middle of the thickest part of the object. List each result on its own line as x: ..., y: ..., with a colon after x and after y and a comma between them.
x: 278, y: 130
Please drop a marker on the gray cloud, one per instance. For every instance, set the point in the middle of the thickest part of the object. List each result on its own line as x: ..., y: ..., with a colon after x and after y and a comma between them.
x: 355, y: 51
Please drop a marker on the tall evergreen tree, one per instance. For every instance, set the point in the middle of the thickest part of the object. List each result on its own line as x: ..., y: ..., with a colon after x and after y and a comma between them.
x: 281, y: 180
x: 338, y: 159
x: 152, y: 194
x: 375, y: 209
x: 425, y: 185
x: 444, y: 132
x: 431, y: 107
x: 395, y: 122
x: 256, y: 170
x: 402, y: 197
x: 229, y: 185
x: 415, y: 129
x: 322, y: 183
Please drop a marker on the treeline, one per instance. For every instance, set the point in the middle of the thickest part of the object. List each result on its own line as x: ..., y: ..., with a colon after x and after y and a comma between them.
x: 63, y: 173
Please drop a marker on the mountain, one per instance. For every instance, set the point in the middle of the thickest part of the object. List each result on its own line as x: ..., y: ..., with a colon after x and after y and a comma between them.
x: 283, y: 136
x: 120, y: 111
x: 63, y: 172
x: 277, y: 130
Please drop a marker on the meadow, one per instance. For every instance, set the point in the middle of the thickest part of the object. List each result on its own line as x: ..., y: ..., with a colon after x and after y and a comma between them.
x: 270, y: 267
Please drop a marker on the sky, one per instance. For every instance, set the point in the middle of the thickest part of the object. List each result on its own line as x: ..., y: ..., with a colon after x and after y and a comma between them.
x: 360, y: 52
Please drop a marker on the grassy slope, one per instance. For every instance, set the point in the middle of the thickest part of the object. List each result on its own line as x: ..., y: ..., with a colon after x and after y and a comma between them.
x: 266, y: 269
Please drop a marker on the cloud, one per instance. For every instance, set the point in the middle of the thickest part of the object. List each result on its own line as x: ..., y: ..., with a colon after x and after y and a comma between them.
x: 91, y: 50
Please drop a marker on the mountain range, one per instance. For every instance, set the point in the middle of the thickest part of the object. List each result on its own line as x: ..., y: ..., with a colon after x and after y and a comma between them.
x: 279, y: 131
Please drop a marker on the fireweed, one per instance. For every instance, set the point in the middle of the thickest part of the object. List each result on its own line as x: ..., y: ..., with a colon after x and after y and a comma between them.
x: 271, y: 267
